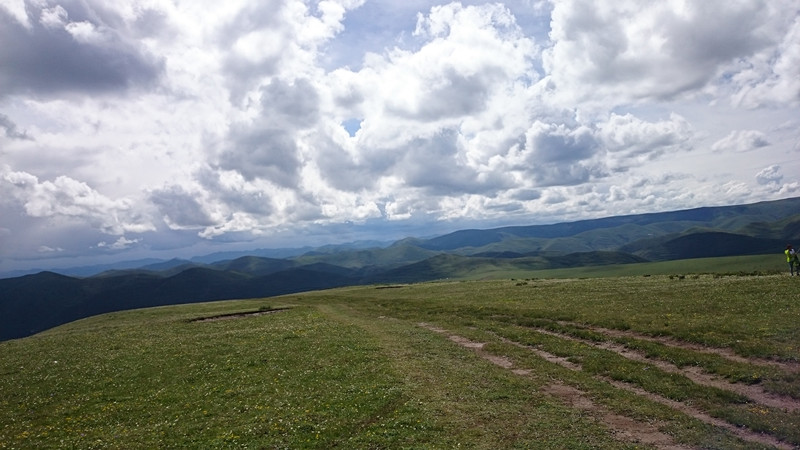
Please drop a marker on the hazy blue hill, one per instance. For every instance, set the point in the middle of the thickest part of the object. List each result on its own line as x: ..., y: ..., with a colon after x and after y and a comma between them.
x: 330, y: 269
x: 287, y: 253
x: 703, y: 244
x: 254, y: 265
x: 456, y: 266
x: 724, y: 218
x: 164, y: 270
x: 434, y: 268
x: 87, y: 271
x: 465, y: 238
x: 166, y: 265
x: 377, y: 258
x: 350, y: 246
x: 608, y: 239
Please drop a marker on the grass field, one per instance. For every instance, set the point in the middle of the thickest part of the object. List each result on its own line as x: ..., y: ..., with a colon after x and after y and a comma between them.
x: 657, y: 361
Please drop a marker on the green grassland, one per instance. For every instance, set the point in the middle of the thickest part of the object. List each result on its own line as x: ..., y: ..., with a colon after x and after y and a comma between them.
x: 365, y: 367
x: 754, y: 264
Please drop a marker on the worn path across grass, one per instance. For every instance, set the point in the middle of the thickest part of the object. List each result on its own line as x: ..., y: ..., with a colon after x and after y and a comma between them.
x: 642, y: 362
x: 745, y: 394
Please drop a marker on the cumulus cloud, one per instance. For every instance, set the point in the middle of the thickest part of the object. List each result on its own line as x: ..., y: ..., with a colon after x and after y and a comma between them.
x: 267, y: 147
x: 629, y: 51
x: 120, y: 244
x: 630, y: 140
x: 11, y: 130
x: 418, y: 105
x: 72, y: 46
x: 277, y: 38
x: 772, y: 77
x: 284, y: 117
x: 770, y: 175
x: 68, y: 199
x: 741, y: 141
x: 181, y: 209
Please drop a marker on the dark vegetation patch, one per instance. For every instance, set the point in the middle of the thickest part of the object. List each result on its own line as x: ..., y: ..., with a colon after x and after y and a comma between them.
x: 238, y: 315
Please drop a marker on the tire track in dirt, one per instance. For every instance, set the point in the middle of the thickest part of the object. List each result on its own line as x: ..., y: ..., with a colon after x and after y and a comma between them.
x: 637, y: 431
x: 743, y: 433
x: 753, y: 392
x: 625, y: 428
x: 672, y: 342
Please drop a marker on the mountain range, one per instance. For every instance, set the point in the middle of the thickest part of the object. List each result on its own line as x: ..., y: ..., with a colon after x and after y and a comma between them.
x: 33, y: 303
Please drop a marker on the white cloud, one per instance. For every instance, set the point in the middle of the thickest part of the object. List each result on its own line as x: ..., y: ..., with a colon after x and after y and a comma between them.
x: 183, y: 122
x: 55, y: 17
x: 772, y: 77
x: 630, y: 138
x: 67, y: 198
x: 629, y: 51
x: 120, y: 244
x: 46, y: 249
x: 770, y: 175
x: 54, y: 56
x: 741, y: 141
x: 16, y: 8
x: 85, y: 32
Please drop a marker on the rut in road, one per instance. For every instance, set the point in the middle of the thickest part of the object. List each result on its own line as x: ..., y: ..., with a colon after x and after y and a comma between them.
x: 627, y: 429
x: 753, y: 392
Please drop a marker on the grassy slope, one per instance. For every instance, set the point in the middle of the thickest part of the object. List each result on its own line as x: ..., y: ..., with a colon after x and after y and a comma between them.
x: 726, y: 265
x: 352, y: 367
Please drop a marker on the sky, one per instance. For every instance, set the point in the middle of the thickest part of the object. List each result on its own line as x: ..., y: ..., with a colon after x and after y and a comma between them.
x: 175, y: 128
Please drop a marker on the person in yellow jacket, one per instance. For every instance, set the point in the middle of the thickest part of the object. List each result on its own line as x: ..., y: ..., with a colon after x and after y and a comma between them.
x: 791, y: 258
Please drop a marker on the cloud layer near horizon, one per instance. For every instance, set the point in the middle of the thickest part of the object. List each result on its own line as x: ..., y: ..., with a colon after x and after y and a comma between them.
x: 159, y: 126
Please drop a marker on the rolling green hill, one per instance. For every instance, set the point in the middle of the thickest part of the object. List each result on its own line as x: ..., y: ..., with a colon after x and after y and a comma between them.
x: 627, y: 363
x: 36, y: 302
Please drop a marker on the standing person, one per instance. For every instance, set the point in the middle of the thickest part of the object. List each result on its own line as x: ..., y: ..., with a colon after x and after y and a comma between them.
x: 791, y: 258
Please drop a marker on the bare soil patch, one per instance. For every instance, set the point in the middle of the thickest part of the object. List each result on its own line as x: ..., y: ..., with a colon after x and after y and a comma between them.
x: 628, y: 429
x: 665, y: 340
x: 753, y: 392
x: 625, y: 428
x: 239, y: 315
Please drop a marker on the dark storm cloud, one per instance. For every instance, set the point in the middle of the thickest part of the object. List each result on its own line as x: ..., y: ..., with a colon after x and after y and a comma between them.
x: 11, y: 129
x: 235, y: 197
x: 181, y: 208
x: 55, y: 54
x: 556, y: 154
x: 295, y: 104
x: 342, y: 172
x: 551, y: 143
x: 268, y: 154
x: 267, y: 148
x: 437, y: 165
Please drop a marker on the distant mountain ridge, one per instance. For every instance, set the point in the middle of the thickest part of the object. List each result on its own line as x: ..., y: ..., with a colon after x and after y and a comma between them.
x: 33, y: 303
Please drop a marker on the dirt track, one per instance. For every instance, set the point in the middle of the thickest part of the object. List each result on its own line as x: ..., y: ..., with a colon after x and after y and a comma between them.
x: 628, y: 429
